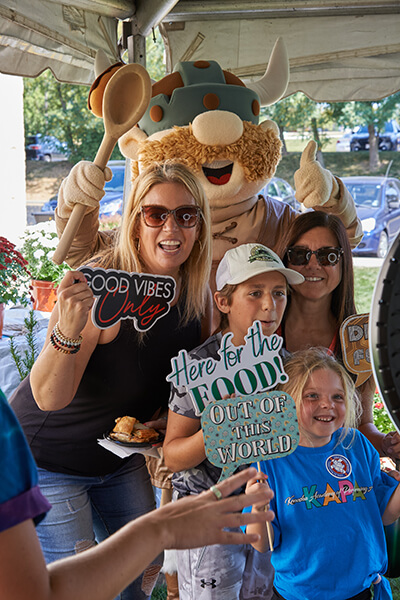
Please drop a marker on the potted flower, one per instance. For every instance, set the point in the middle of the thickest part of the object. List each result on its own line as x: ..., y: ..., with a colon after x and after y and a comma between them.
x: 14, y: 278
x: 39, y: 244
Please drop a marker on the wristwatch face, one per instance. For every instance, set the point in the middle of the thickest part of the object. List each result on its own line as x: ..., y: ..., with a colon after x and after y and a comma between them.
x: 384, y: 332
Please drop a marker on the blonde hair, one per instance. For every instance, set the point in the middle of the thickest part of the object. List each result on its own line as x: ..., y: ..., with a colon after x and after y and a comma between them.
x: 125, y: 252
x: 302, y: 364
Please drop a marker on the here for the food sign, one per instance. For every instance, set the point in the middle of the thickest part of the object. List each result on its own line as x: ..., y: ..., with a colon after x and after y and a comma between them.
x: 241, y: 370
x: 242, y: 421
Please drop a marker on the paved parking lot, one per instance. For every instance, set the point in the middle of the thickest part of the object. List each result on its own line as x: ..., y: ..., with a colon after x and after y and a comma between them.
x: 367, y: 261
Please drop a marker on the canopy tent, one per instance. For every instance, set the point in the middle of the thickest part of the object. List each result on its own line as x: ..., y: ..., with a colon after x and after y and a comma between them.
x: 338, y: 50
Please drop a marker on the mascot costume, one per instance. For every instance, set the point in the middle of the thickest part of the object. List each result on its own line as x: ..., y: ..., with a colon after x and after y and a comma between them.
x: 208, y: 119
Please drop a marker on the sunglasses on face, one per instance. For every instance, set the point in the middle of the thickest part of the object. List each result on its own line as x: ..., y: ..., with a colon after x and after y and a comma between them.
x: 326, y: 257
x: 185, y: 216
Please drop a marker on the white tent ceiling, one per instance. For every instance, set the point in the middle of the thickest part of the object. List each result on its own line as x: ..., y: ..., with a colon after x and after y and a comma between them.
x: 338, y: 50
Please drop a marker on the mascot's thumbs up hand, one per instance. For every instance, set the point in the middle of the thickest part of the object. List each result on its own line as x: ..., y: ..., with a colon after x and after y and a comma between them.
x: 315, y: 186
x: 84, y: 185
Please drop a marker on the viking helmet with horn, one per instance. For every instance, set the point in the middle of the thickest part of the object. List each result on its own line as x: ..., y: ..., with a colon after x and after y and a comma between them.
x: 200, y: 86
x: 197, y: 87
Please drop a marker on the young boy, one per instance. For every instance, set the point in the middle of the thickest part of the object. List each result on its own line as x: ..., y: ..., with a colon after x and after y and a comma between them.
x: 252, y: 284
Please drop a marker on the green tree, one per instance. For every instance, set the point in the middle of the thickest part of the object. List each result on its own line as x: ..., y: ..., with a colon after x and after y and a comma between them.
x: 60, y: 109
x: 300, y: 114
x: 372, y: 114
x: 155, y: 56
x: 290, y: 114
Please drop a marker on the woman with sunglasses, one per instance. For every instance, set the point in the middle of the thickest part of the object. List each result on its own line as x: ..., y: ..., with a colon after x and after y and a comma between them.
x: 317, y: 246
x: 85, y: 378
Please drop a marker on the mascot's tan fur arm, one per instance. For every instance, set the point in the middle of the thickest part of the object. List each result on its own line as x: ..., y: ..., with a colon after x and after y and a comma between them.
x: 83, y: 185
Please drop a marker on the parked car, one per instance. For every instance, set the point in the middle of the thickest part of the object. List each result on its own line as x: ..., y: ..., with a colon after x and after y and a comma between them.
x: 388, y: 139
x: 110, y: 205
x: 377, y: 201
x: 343, y: 143
x: 281, y: 190
x: 45, y: 147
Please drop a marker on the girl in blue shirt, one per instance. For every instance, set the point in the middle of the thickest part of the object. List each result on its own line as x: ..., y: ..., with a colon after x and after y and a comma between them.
x: 331, y: 497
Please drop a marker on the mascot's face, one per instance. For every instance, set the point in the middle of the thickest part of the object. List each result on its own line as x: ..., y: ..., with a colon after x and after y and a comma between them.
x: 233, y: 159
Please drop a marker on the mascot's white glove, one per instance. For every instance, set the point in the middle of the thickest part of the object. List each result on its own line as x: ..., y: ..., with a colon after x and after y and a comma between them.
x: 84, y: 185
x: 317, y: 188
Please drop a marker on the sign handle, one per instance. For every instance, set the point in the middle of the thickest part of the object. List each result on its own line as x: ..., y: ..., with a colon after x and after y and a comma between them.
x: 269, y: 526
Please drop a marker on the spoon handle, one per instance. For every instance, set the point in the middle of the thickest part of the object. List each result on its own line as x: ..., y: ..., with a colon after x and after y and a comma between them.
x: 78, y: 212
x: 126, y: 98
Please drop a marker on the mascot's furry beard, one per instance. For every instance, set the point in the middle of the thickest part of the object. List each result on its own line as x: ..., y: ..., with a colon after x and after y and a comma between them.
x: 257, y: 151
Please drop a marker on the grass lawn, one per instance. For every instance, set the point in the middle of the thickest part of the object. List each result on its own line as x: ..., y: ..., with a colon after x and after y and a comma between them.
x: 395, y: 584
x: 159, y: 593
x: 364, y: 282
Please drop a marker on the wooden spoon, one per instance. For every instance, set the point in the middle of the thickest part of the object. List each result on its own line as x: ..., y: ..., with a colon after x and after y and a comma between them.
x: 126, y: 98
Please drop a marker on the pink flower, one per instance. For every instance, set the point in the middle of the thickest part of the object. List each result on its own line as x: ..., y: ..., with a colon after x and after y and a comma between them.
x: 378, y: 405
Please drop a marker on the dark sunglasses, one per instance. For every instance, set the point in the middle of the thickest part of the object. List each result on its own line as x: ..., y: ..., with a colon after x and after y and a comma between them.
x: 326, y: 257
x: 185, y: 216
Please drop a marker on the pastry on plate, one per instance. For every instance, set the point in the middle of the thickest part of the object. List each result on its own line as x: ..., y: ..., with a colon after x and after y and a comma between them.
x: 130, y: 430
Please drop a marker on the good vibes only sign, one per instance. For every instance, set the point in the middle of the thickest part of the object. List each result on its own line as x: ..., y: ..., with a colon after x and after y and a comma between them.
x: 120, y: 295
x: 242, y: 421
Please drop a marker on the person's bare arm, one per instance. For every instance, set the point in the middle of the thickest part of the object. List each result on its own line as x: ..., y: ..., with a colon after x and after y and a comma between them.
x: 184, y: 443
x: 104, y: 571
x: 55, y: 376
x: 387, y: 444
x: 392, y: 511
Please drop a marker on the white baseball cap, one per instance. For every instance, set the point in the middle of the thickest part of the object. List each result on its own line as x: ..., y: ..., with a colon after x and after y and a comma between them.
x: 248, y: 260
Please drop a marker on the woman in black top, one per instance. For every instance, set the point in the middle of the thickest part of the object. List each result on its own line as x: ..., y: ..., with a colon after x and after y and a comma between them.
x: 85, y: 377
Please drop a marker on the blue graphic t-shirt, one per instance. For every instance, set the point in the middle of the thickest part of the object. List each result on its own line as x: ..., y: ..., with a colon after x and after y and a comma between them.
x: 20, y: 496
x: 329, y: 537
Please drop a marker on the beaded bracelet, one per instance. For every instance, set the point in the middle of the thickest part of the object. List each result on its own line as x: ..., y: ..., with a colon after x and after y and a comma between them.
x: 66, y: 340
x: 63, y: 349
x: 64, y: 344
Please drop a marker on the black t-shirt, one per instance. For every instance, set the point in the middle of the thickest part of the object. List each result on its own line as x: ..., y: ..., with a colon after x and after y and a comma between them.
x: 124, y: 377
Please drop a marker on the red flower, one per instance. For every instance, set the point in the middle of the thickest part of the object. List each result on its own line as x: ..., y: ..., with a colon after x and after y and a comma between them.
x: 378, y: 405
x: 14, y: 273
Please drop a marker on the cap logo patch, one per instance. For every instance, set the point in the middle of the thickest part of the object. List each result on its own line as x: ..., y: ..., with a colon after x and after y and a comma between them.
x: 260, y: 253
